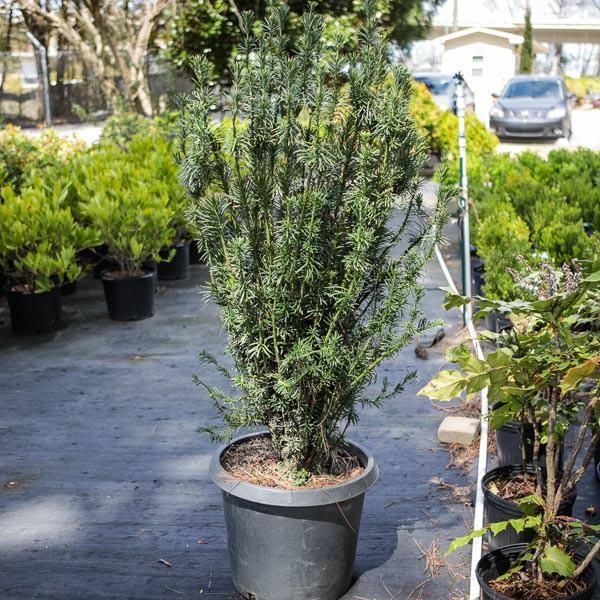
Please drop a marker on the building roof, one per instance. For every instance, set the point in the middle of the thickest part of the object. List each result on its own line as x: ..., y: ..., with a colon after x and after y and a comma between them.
x: 558, y: 31
x: 511, y: 38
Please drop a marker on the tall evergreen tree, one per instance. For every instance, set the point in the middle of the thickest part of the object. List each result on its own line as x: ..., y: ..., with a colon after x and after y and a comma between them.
x: 308, y: 211
x: 526, y: 59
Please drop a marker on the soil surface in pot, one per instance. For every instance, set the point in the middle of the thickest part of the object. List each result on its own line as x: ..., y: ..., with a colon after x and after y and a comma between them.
x: 521, y: 586
x: 514, y: 488
x: 123, y: 274
x: 255, y: 461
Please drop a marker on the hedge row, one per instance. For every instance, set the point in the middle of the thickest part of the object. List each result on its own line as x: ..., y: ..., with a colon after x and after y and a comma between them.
x: 546, y: 210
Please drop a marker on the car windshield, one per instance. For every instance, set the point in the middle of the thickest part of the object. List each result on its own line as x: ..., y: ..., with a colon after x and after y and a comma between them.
x: 532, y: 89
x: 438, y: 86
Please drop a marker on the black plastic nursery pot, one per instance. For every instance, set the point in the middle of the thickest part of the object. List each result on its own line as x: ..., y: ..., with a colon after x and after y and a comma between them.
x: 477, y: 270
x: 129, y: 298
x: 178, y: 267
x: 194, y: 253
x: 509, y: 440
x: 498, y: 562
x: 68, y: 288
x: 497, y: 322
x: 32, y: 314
x: 498, y: 509
x: 292, y: 544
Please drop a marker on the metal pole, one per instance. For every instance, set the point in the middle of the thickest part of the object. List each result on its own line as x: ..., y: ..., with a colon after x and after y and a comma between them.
x: 45, y: 80
x: 463, y: 198
x: 455, y: 16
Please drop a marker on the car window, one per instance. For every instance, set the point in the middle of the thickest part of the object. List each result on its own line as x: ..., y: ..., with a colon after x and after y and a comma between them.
x: 533, y: 89
x: 438, y: 86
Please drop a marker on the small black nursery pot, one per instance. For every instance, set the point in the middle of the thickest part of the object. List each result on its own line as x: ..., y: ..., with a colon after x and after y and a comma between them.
x: 32, y: 314
x: 496, y: 563
x: 129, y: 298
x: 178, y: 266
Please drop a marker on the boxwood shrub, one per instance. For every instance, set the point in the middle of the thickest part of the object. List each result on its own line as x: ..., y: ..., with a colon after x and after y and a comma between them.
x: 557, y: 199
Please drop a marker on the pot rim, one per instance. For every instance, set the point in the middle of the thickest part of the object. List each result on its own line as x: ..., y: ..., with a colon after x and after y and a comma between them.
x: 148, y: 273
x: 298, y: 497
x: 10, y: 292
x: 589, y: 572
x: 512, y: 505
x: 185, y: 242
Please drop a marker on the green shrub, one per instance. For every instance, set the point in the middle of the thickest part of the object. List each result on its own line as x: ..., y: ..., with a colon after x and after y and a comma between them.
x: 20, y: 154
x: 127, y: 205
x: 122, y: 127
x: 582, y: 86
x: 427, y: 116
x: 293, y: 213
x: 555, y: 197
x: 39, y: 238
x: 440, y: 127
x: 502, y: 237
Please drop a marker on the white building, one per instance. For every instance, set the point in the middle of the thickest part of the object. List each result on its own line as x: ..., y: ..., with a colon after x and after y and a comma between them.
x: 487, y: 58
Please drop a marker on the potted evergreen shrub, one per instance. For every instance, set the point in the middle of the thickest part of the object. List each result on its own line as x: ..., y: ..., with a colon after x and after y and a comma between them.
x: 536, y: 376
x: 308, y: 212
x: 133, y: 216
x: 39, y: 239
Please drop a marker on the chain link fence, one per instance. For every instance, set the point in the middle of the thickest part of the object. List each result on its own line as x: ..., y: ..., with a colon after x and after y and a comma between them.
x: 75, y: 95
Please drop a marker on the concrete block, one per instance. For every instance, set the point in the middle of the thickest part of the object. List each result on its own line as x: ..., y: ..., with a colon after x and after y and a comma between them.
x: 458, y: 430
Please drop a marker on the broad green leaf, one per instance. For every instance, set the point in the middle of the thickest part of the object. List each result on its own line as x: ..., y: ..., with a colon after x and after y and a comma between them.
x: 593, y: 278
x: 574, y: 375
x: 499, y: 527
x: 446, y: 385
x: 459, y: 542
x: 555, y: 560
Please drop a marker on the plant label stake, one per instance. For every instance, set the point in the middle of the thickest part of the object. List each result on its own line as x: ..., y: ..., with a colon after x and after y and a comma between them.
x: 463, y: 198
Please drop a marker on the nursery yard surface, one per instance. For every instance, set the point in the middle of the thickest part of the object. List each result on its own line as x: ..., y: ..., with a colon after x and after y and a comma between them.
x: 104, y: 486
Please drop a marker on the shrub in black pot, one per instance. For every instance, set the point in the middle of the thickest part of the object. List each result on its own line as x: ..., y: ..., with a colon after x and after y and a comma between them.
x: 547, y: 374
x: 175, y: 262
x: 293, y: 193
x: 499, y: 507
x: 499, y: 562
x: 39, y: 240
x: 133, y: 218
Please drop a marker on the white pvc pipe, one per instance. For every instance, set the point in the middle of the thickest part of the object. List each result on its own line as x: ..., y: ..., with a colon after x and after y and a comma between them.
x: 474, y: 589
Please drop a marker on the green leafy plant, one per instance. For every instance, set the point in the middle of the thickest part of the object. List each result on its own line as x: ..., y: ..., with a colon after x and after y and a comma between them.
x: 536, y: 376
x: 308, y: 211
x: 39, y: 239
x: 501, y: 238
x: 556, y: 199
x: 128, y: 205
x: 440, y: 129
x: 20, y: 154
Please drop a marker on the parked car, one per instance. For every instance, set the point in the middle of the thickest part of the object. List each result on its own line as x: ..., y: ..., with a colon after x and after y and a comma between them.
x: 532, y: 106
x: 443, y: 90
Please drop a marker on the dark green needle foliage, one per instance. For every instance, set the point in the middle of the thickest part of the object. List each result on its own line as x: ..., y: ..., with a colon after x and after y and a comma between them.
x: 306, y: 205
